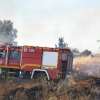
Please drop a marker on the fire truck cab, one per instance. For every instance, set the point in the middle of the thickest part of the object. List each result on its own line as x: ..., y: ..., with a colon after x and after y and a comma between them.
x: 30, y: 61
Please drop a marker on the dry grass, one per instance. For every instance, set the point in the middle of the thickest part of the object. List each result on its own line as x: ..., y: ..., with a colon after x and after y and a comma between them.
x: 70, y: 90
x: 87, y: 65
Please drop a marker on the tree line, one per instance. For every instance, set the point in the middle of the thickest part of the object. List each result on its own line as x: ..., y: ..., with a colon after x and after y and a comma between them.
x: 76, y: 52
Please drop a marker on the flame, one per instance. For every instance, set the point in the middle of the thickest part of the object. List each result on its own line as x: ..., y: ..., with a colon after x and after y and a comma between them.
x: 77, y: 68
x: 90, y: 72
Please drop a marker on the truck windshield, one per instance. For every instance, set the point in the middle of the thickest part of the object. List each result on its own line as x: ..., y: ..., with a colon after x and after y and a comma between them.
x: 3, y: 53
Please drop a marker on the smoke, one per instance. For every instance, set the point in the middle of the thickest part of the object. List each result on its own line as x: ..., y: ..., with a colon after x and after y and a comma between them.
x: 39, y: 21
x: 80, y: 29
x: 5, y: 38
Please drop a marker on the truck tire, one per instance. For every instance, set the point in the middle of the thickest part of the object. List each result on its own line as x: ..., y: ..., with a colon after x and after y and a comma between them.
x: 40, y: 77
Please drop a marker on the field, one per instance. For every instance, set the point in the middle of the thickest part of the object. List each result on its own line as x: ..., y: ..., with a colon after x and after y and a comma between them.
x: 83, y: 83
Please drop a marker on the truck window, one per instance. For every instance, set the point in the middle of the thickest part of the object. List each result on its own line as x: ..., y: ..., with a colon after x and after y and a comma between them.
x: 15, y: 55
x: 3, y: 53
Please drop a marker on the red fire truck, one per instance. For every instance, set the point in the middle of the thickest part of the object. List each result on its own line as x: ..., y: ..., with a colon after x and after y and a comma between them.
x: 30, y: 61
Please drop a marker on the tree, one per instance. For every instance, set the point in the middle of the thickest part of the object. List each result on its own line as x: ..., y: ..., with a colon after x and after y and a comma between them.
x: 85, y: 53
x: 7, y: 32
x: 61, y: 43
x: 75, y: 50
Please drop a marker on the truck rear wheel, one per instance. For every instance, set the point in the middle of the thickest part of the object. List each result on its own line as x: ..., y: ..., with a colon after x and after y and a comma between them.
x: 40, y: 77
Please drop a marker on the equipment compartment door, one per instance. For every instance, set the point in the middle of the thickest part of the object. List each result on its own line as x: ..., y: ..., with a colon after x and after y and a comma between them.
x: 50, y: 60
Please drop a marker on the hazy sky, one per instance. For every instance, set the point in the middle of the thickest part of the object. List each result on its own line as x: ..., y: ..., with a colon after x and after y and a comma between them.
x: 41, y: 22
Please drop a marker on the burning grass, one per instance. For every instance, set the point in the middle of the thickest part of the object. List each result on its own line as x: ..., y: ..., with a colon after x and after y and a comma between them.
x: 87, y: 65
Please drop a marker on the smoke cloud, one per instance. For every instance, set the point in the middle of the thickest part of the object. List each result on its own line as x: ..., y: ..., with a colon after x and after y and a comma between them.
x: 41, y: 22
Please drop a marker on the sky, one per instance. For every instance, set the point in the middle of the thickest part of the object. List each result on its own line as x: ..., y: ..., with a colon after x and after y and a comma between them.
x: 42, y: 22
